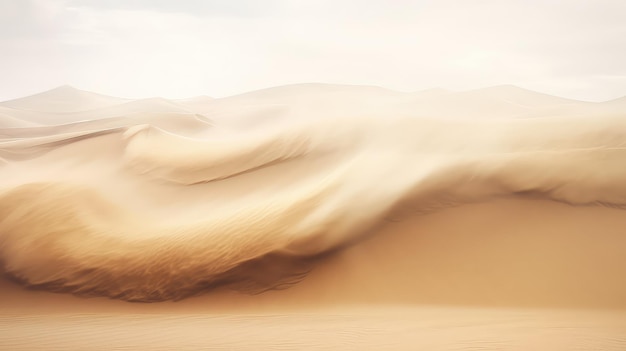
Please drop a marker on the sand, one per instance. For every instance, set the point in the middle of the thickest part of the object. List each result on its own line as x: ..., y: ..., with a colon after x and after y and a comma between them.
x: 487, y: 219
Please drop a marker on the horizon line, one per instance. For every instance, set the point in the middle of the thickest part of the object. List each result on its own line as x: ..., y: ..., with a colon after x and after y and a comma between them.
x: 309, y: 83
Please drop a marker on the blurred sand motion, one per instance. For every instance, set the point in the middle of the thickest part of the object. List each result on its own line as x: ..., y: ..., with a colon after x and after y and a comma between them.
x: 356, y: 198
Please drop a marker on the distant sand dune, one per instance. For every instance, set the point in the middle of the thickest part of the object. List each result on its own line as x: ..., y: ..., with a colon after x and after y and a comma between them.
x: 62, y: 100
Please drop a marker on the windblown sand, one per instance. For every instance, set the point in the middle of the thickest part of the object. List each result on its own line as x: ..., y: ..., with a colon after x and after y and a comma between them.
x: 313, y: 217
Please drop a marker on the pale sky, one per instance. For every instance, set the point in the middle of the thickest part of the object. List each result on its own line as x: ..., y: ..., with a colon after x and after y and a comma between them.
x: 183, y: 48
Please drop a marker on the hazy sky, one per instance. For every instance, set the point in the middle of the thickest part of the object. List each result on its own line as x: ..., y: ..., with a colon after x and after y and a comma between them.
x: 181, y: 48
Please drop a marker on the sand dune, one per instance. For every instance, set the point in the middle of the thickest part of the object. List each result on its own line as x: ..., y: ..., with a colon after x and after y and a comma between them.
x: 196, y: 104
x: 520, y: 96
x: 65, y: 105
x: 306, y: 101
x: 12, y: 122
x: 63, y: 99
x: 361, y: 200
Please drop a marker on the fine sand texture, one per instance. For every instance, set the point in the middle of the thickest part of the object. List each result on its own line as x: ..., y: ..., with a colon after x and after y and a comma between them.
x: 313, y: 216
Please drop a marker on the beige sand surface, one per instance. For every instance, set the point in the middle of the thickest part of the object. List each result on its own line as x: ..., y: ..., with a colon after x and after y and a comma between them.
x: 488, y: 219
x: 409, y: 329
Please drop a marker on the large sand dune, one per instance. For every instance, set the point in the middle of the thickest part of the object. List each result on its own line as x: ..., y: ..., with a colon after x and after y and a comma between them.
x: 494, y: 217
